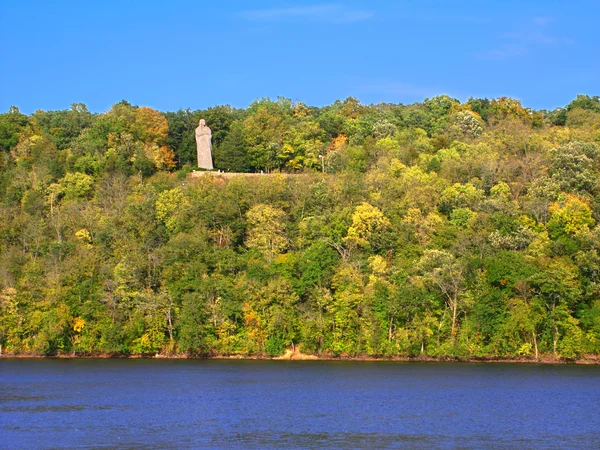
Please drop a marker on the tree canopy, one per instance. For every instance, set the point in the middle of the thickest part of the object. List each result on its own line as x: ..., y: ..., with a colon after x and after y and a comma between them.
x: 439, y: 228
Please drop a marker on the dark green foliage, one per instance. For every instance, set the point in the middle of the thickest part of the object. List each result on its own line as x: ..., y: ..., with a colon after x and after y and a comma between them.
x: 481, y: 106
x: 585, y: 102
x: 181, y: 135
x: 231, y: 154
x: 11, y: 125
x: 191, y: 332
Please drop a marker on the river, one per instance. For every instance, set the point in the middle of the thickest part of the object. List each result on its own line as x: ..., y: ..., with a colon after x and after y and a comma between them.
x: 296, y: 404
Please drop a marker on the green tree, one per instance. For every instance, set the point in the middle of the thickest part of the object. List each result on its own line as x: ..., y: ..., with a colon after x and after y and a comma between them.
x: 11, y: 126
x: 443, y: 272
x: 557, y: 286
x: 231, y: 154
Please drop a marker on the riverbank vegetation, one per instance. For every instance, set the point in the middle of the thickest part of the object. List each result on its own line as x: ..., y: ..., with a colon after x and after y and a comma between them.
x: 440, y: 229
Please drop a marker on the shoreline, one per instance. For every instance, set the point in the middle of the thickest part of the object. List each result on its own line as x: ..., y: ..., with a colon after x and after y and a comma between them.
x: 296, y: 356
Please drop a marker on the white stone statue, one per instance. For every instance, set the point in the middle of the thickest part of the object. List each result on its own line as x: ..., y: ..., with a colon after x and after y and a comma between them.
x: 204, y: 146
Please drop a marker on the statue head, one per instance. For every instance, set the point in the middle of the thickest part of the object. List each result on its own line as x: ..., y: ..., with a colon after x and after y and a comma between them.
x: 202, y: 123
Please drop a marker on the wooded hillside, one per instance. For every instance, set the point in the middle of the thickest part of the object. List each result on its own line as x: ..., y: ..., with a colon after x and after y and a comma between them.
x: 439, y: 228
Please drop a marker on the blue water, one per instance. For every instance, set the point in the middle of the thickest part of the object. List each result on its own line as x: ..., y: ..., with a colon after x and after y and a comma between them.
x: 292, y: 404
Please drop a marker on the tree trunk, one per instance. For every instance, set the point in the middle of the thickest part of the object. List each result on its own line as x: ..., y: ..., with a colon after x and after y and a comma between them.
x: 555, y: 339
x: 170, y: 324
x: 441, y: 324
x: 535, y: 346
x: 454, y: 314
x: 554, y: 332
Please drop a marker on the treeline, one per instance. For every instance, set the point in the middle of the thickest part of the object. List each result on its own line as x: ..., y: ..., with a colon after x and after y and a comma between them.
x: 439, y: 228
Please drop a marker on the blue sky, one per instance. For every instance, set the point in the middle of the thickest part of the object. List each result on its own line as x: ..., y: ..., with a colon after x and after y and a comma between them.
x: 178, y: 54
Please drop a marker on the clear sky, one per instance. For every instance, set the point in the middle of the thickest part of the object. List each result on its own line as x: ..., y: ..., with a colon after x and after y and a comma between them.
x: 178, y: 54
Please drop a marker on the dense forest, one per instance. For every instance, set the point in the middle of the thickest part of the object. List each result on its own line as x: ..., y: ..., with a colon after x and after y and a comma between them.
x: 440, y: 229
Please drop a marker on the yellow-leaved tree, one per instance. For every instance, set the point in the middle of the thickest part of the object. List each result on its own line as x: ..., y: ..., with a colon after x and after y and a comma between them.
x: 152, y: 128
x: 367, y: 222
x: 266, y: 230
